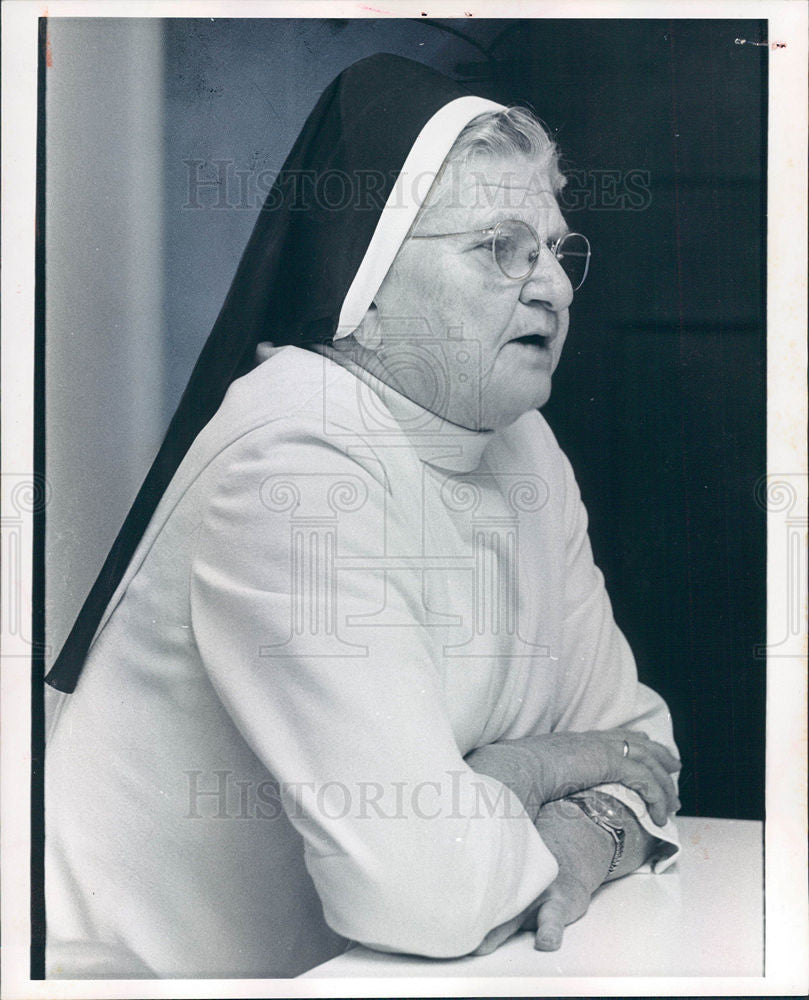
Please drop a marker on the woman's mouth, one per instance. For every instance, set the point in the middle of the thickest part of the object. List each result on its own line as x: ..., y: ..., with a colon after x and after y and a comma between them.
x: 536, y: 339
x: 536, y: 342
x: 536, y: 348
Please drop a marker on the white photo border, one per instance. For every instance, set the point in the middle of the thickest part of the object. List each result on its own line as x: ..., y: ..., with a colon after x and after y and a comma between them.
x: 786, y: 906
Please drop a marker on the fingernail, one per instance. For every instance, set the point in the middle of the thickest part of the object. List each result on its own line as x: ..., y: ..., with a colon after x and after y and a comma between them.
x: 547, y: 943
x: 678, y: 805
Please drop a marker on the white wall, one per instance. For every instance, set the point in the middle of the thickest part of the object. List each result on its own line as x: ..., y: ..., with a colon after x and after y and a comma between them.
x: 105, y: 408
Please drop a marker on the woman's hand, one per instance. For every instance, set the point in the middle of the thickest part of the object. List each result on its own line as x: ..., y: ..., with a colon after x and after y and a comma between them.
x: 540, y: 769
x: 583, y: 852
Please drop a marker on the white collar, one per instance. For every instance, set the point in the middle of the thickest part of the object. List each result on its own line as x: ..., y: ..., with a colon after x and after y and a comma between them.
x: 437, y: 441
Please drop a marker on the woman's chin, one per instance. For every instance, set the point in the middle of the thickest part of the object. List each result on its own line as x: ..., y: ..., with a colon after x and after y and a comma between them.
x: 503, y: 412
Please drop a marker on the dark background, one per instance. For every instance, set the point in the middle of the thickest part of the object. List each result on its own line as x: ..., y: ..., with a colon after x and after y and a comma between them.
x: 660, y: 398
x: 660, y: 403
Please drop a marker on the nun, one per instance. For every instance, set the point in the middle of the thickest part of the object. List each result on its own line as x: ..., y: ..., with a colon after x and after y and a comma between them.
x: 349, y: 673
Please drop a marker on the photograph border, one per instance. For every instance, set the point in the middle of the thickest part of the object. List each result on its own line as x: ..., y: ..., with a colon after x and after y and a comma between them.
x: 786, y: 906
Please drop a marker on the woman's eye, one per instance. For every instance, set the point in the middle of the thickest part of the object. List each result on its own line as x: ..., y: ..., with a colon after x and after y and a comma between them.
x: 485, y: 247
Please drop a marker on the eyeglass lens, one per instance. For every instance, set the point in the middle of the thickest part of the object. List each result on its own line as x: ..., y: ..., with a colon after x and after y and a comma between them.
x: 516, y: 251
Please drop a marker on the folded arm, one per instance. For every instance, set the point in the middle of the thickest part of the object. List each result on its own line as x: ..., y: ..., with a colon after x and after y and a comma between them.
x: 408, y: 848
x: 585, y: 852
x: 598, y: 690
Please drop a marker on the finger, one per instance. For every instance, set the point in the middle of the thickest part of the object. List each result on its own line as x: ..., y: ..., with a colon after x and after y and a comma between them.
x: 564, y: 901
x: 640, y: 779
x: 498, y: 935
x: 550, y: 924
x: 645, y: 754
x: 636, y: 737
x: 664, y: 756
x: 665, y: 782
x: 655, y: 795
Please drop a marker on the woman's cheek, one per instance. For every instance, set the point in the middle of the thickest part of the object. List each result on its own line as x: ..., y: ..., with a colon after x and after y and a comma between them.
x: 559, y: 345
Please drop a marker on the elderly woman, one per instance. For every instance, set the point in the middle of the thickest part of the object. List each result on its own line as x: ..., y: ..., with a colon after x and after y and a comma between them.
x: 350, y: 673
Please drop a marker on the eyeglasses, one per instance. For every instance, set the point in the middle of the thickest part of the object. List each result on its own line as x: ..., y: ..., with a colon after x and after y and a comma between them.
x: 516, y: 249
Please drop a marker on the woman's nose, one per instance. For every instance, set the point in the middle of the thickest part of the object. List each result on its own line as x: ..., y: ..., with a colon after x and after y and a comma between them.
x: 547, y: 285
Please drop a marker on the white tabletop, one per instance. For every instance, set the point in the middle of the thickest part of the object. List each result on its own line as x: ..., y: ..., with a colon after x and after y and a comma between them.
x: 703, y: 917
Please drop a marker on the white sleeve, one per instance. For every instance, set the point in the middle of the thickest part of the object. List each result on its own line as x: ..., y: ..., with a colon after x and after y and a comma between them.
x: 409, y: 849
x: 600, y: 689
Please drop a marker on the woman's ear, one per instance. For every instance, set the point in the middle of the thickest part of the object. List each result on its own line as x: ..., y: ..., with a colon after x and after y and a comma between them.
x: 369, y: 333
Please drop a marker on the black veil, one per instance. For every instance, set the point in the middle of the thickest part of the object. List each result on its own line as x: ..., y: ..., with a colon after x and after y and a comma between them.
x: 308, y: 243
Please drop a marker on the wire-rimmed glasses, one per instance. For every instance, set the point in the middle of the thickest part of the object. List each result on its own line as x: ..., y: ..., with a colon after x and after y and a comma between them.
x: 516, y: 248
